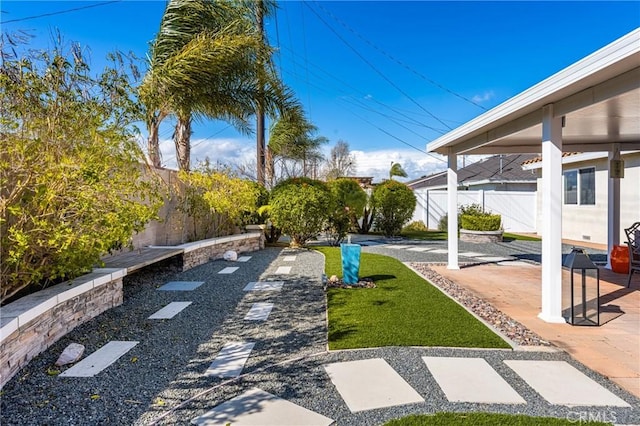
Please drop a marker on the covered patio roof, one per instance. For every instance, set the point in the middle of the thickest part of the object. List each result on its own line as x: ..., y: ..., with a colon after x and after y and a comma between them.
x: 598, y: 96
x: 590, y: 106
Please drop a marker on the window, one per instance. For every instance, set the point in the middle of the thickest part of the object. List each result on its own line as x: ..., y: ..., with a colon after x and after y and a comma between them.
x: 571, y: 187
x: 580, y: 186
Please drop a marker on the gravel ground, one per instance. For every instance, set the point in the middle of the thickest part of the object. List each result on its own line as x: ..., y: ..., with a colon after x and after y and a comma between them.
x: 160, y: 381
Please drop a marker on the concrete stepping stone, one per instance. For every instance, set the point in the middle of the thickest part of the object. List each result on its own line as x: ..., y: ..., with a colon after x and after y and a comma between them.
x: 181, y: 285
x: 419, y: 249
x: 243, y: 259
x: 264, y: 286
x: 229, y: 270
x: 562, y: 384
x: 257, y: 407
x: 471, y: 380
x: 170, y: 311
x: 230, y: 360
x: 259, y: 312
x: 493, y: 258
x: 439, y: 251
x: 472, y: 254
x: 289, y: 258
x: 370, y: 384
x: 99, y: 360
x: 283, y: 270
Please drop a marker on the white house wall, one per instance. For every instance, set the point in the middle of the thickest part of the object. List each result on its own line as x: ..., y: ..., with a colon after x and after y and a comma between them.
x: 589, y: 222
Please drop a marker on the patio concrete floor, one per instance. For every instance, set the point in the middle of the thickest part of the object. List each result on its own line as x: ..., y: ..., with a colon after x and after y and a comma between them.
x: 612, y: 349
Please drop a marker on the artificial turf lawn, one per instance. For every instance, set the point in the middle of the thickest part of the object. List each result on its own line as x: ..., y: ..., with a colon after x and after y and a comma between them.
x: 403, y: 310
x: 484, y: 419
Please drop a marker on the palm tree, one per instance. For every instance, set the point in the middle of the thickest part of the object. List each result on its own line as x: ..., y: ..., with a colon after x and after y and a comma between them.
x: 396, y: 170
x: 203, y: 63
x: 292, y: 137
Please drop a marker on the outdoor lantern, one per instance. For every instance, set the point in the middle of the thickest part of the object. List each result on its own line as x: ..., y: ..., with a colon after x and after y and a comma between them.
x: 588, y: 312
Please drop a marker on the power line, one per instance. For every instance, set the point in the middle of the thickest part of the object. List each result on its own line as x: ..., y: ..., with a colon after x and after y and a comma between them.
x: 398, y: 61
x: 387, y: 79
x: 393, y: 109
x: 60, y: 12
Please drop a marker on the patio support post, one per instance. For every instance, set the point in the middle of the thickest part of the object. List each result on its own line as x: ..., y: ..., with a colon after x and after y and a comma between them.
x: 551, y: 217
x: 613, y: 207
x: 452, y: 210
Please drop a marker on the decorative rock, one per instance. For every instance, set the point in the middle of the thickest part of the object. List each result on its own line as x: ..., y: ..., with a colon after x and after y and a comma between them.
x: 230, y: 255
x: 333, y: 279
x: 71, y: 354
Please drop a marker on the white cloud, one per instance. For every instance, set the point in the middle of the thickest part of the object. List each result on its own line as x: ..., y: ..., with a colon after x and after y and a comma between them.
x: 224, y: 151
x: 486, y: 96
x: 369, y: 163
x: 378, y: 163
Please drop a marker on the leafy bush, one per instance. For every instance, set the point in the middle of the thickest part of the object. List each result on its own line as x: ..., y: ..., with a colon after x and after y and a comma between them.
x: 486, y: 222
x: 473, y: 218
x: 394, y: 204
x: 350, y: 201
x: 301, y: 208
x: 70, y: 168
x: 253, y: 216
x: 417, y: 225
x: 216, y: 201
x: 443, y: 224
x: 472, y: 210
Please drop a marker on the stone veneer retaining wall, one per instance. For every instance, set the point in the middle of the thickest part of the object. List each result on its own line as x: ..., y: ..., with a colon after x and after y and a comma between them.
x: 34, y: 322
x: 201, y: 252
x: 480, y: 236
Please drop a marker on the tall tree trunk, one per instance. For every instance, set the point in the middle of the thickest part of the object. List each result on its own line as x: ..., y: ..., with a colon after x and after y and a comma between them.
x: 182, y: 139
x: 153, y: 143
x: 260, y: 125
x: 270, y: 171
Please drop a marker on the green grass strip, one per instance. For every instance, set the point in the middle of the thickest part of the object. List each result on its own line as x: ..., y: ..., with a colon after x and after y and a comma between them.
x: 510, y: 237
x: 403, y: 310
x: 485, y: 419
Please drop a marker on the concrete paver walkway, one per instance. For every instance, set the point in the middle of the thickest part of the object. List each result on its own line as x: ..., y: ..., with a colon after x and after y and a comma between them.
x: 613, y: 349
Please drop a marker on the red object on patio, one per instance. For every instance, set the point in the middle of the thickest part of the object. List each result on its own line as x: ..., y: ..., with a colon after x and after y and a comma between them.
x: 620, y: 259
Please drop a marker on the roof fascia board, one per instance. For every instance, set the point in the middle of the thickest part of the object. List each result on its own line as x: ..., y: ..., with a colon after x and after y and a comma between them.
x: 577, y: 158
x: 543, y: 92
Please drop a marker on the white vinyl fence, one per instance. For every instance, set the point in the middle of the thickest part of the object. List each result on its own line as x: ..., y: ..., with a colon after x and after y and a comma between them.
x: 518, y: 208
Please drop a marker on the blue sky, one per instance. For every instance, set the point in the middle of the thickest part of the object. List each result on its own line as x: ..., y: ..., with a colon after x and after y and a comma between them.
x: 387, y: 77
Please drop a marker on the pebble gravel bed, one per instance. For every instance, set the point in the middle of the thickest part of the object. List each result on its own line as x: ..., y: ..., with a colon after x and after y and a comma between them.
x: 161, y: 380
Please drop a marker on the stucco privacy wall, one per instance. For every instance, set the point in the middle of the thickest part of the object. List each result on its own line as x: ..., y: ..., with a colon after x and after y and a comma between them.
x: 589, y: 222
x: 34, y: 322
x: 173, y: 227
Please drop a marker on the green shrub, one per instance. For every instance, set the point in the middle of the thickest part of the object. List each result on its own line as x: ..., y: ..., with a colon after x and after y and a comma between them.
x: 301, y: 208
x: 486, y: 222
x: 394, y: 204
x: 474, y: 218
x: 471, y: 210
x: 70, y: 168
x: 417, y: 225
x: 215, y: 201
x: 443, y: 224
x: 350, y: 201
